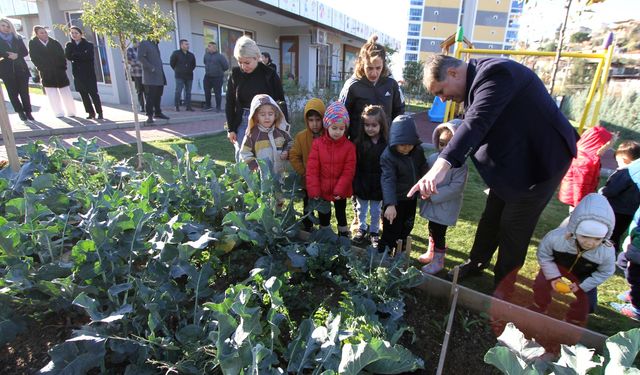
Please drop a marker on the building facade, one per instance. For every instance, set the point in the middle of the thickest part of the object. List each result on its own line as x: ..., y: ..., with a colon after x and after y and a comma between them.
x: 310, y: 42
x: 490, y: 24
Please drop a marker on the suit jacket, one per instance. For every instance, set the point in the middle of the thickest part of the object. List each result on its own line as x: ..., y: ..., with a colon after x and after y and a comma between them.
x: 149, y: 57
x: 512, y: 130
x: 50, y: 61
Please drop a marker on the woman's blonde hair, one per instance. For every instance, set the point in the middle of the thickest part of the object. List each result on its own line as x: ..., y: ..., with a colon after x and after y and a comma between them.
x: 369, y: 51
x: 37, y: 28
x: 13, y: 28
x: 246, y: 47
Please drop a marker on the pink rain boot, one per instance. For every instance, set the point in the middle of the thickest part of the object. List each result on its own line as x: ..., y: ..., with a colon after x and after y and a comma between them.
x: 428, y: 256
x: 437, y: 264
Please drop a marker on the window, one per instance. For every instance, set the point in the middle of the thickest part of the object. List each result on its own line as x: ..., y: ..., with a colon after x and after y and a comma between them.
x: 411, y: 57
x: 512, y: 34
x: 289, y: 57
x: 412, y: 44
x: 100, y: 62
x: 416, y: 2
x: 414, y: 29
x: 415, y: 14
x: 225, y: 37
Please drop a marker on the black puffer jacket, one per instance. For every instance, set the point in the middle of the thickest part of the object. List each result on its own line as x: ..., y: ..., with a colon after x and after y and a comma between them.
x: 366, y: 184
x: 183, y: 64
x: 400, y: 172
x: 357, y: 93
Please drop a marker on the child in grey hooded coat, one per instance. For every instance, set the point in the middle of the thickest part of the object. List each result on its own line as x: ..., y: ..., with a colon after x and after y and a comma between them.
x: 442, y: 209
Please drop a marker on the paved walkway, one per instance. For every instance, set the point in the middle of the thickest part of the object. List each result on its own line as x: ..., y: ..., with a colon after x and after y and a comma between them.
x: 118, y: 128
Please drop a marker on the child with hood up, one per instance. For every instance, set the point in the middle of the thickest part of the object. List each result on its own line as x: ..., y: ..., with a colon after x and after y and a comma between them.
x: 299, y: 154
x: 580, y: 252
x: 267, y: 136
x: 442, y: 209
x: 584, y: 172
x: 403, y: 164
x: 332, y: 166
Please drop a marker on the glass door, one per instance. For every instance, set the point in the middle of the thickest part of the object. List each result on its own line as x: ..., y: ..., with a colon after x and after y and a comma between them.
x: 289, y: 58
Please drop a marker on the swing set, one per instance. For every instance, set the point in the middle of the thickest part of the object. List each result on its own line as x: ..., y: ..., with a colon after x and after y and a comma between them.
x: 597, y: 85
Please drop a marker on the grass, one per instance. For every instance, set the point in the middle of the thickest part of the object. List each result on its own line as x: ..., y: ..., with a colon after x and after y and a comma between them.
x: 459, y: 238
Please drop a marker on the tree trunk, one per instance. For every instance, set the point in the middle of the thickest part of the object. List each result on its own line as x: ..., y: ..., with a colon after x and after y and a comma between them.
x: 556, y: 63
x: 134, y: 106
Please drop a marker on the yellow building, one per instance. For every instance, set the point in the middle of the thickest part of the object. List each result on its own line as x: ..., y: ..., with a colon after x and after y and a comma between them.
x: 491, y: 24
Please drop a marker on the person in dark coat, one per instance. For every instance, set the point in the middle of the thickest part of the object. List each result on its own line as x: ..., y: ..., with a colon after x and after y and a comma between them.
x: 14, y: 71
x: 80, y: 52
x: 266, y: 60
x: 215, y: 64
x: 48, y: 56
x: 247, y: 80
x: 153, y: 78
x: 370, y: 144
x: 183, y: 63
x: 371, y: 83
x: 402, y: 164
x: 521, y: 144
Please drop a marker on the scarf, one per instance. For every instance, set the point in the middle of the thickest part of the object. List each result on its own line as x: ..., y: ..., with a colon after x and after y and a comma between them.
x: 8, y: 37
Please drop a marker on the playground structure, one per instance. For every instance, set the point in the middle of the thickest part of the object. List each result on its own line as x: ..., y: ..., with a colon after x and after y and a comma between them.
x: 597, y: 87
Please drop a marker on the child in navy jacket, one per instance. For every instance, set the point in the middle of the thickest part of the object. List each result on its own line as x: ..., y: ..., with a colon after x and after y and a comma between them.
x: 403, y: 164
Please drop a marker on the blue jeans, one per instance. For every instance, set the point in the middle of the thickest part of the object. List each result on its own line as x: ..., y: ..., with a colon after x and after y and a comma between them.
x: 363, y: 207
x: 242, y: 129
x: 186, y: 85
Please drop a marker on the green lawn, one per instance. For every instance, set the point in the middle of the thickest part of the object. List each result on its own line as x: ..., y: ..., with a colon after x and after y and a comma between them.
x: 459, y: 238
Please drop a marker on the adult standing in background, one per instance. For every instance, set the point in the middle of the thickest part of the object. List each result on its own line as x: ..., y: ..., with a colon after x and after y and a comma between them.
x: 215, y: 64
x: 14, y: 71
x: 80, y: 52
x: 371, y: 83
x: 266, y: 60
x: 183, y: 63
x: 153, y: 78
x: 48, y: 56
x: 135, y: 70
x: 521, y: 144
x: 247, y: 80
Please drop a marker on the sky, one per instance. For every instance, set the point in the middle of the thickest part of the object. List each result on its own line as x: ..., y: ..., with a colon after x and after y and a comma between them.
x: 391, y: 17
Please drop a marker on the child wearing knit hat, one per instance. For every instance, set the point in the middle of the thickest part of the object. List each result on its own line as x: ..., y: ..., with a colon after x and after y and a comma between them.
x: 332, y: 165
x: 580, y: 252
x: 299, y: 154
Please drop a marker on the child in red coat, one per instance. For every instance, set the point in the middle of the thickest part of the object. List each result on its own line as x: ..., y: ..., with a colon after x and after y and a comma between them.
x: 332, y: 165
x: 584, y: 173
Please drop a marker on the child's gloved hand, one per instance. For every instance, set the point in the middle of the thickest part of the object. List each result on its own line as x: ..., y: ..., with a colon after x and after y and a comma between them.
x: 561, y: 286
x: 390, y: 213
x: 284, y: 155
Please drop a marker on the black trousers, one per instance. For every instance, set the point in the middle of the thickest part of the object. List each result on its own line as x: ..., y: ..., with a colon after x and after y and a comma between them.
x: 18, y: 90
x: 402, y: 225
x: 508, y: 227
x: 340, y: 207
x: 153, y: 96
x: 439, y: 234
x: 622, y: 225
x: 88, y: 94
x: 214, y: 83
x: 633, y: 278
x: 137, y: 81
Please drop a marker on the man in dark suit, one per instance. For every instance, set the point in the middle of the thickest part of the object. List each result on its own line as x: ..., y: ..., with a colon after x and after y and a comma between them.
x: 521, y: 145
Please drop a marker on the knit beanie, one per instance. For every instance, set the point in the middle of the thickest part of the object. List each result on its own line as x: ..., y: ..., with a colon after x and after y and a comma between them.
x: 314, y: 104
x: 592, y: 228
x: 335, y: 113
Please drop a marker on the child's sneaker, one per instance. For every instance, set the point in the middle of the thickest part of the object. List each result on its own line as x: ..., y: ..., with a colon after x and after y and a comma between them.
x: 360, y: 236
x: 436, y: 265
x: 625, y: 296
x: 375, y: 239
x: 627, y: 310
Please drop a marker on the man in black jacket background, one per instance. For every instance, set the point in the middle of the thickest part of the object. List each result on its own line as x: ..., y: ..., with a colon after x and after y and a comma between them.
x: 520, y: 143
x: 183, y: 63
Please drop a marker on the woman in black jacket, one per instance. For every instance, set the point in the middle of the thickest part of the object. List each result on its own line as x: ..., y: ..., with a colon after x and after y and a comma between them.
x: 14, y: 70
x: 247, y: 80
x: 48, y: 56
x: 80, y: 52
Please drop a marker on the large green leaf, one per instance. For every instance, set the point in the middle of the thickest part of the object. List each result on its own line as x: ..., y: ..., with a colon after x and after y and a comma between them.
x: 622, y: 349
x: 77, y: 355
x: 9, y: 329
x: 378, y: 357
x: 508, y: 362
x: 574, y: 360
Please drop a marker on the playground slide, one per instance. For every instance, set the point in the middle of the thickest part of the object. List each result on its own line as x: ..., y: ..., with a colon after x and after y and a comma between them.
x: 436, y: 113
